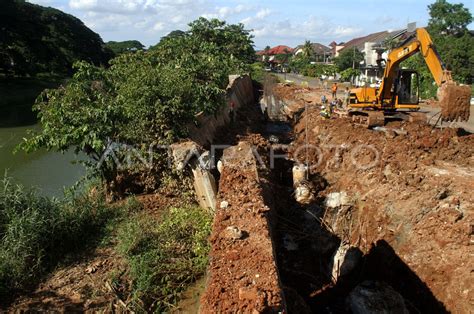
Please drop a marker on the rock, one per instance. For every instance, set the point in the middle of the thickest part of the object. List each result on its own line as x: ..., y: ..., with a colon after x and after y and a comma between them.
x: 344, y: 261
x: 337, y: 199
x: 233, y: 233
x: 183, y: 153
x: 304, y: 194
x: 299, y: 174
x: 387, y: 172
x: 220, y: 166
x: 274, y: 139
x: 442, y: 195
x: 224, y: 205
x: 375, y: 297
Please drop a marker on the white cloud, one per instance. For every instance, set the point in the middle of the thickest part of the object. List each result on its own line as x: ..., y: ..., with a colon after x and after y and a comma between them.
x: 314, y: 29
x: 148, y: 20
x: 114, y: 6
x: 158, y: 26
x: 42, y: 2
x: 258, y: 17
x: 263, y: 13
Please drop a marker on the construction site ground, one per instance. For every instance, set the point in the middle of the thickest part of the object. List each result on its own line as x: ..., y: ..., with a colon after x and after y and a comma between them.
x: 401, y: 198
x: 425, y: 107
x: 389, y: 225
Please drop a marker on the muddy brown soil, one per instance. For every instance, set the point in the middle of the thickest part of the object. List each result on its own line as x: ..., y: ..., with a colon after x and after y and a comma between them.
x: 411, y: 206
x: 455, y: 102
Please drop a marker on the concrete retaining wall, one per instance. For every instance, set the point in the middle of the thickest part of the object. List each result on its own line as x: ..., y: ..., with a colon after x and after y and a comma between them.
x: 240, y: 93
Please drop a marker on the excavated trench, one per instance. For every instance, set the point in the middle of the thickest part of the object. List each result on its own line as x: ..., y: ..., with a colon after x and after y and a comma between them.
x: 392, y: 238
x: 306, y: 248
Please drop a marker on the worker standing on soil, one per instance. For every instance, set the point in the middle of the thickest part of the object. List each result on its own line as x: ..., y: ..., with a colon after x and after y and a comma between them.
x: 347, y: 95
x: 334, y: 90
x: 324, y: 99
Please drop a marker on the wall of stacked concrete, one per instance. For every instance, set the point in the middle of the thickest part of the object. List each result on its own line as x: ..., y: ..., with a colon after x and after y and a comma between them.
x: 239, y: 93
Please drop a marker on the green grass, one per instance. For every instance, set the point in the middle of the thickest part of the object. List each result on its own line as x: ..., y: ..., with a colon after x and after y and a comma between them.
x: 37, y: 233
x: 165, y: 256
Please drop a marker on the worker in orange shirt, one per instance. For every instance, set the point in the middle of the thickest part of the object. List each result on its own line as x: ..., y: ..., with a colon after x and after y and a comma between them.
x: 334, y: 90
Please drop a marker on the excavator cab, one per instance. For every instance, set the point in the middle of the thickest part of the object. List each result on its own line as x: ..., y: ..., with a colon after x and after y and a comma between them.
x: 407, y: 88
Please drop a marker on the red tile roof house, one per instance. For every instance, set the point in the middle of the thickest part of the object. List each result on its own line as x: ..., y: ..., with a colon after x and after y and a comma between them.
x: 270, y: 54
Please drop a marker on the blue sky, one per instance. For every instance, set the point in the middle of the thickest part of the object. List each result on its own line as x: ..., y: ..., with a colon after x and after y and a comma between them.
x: 273, y: 22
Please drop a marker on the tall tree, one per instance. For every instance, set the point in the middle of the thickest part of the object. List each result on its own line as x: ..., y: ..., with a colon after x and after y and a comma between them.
x: 308, y: 49
x: 35, y: 39
x: 455, y: 44
x: 144, y: 99
x: 349, y: 58
x: 448, y: 19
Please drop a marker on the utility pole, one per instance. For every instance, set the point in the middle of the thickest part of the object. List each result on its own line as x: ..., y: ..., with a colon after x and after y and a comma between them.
x: 353, y: 57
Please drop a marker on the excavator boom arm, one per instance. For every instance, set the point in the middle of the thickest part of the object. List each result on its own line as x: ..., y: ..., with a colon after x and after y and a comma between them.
x: 421, y: 42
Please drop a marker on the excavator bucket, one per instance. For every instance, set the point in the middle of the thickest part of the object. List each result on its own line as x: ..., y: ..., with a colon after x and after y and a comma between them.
x: 454, y: 101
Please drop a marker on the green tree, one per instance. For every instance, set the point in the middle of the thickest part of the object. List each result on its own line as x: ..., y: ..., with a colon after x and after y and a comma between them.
x: 174, y: 34
x: 455, y: 44
x: 124, y: 46
x: 350, y: 73
x: 35, y: 39
x: 448, y: 19
x: 144, y: 99
x: 298, y: 63
x: 308, y: 50
x: 348, y: 58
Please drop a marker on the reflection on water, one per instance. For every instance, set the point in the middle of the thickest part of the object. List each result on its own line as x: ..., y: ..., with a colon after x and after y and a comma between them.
x: 50, y: 172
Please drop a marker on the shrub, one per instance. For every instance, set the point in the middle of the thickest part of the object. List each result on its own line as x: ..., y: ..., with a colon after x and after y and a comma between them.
x: 37, y: 233
x: 348, y: 74
x: 118, y: 115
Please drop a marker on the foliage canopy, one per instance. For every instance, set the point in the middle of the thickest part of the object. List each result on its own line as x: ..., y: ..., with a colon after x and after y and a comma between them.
x: 119, y: 47
x: 35, y: 39
x: 348, y: 58
x: 455, y: 44
x: 143, y: 100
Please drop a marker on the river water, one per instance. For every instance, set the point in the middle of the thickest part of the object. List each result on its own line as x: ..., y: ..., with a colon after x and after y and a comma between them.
x: 49, y: 172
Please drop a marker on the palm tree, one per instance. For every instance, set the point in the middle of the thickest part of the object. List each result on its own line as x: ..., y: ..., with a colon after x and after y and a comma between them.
x: 308, y: 49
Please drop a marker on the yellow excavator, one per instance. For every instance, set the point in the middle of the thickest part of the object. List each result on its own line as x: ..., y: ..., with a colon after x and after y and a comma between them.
x: 399, y: 89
